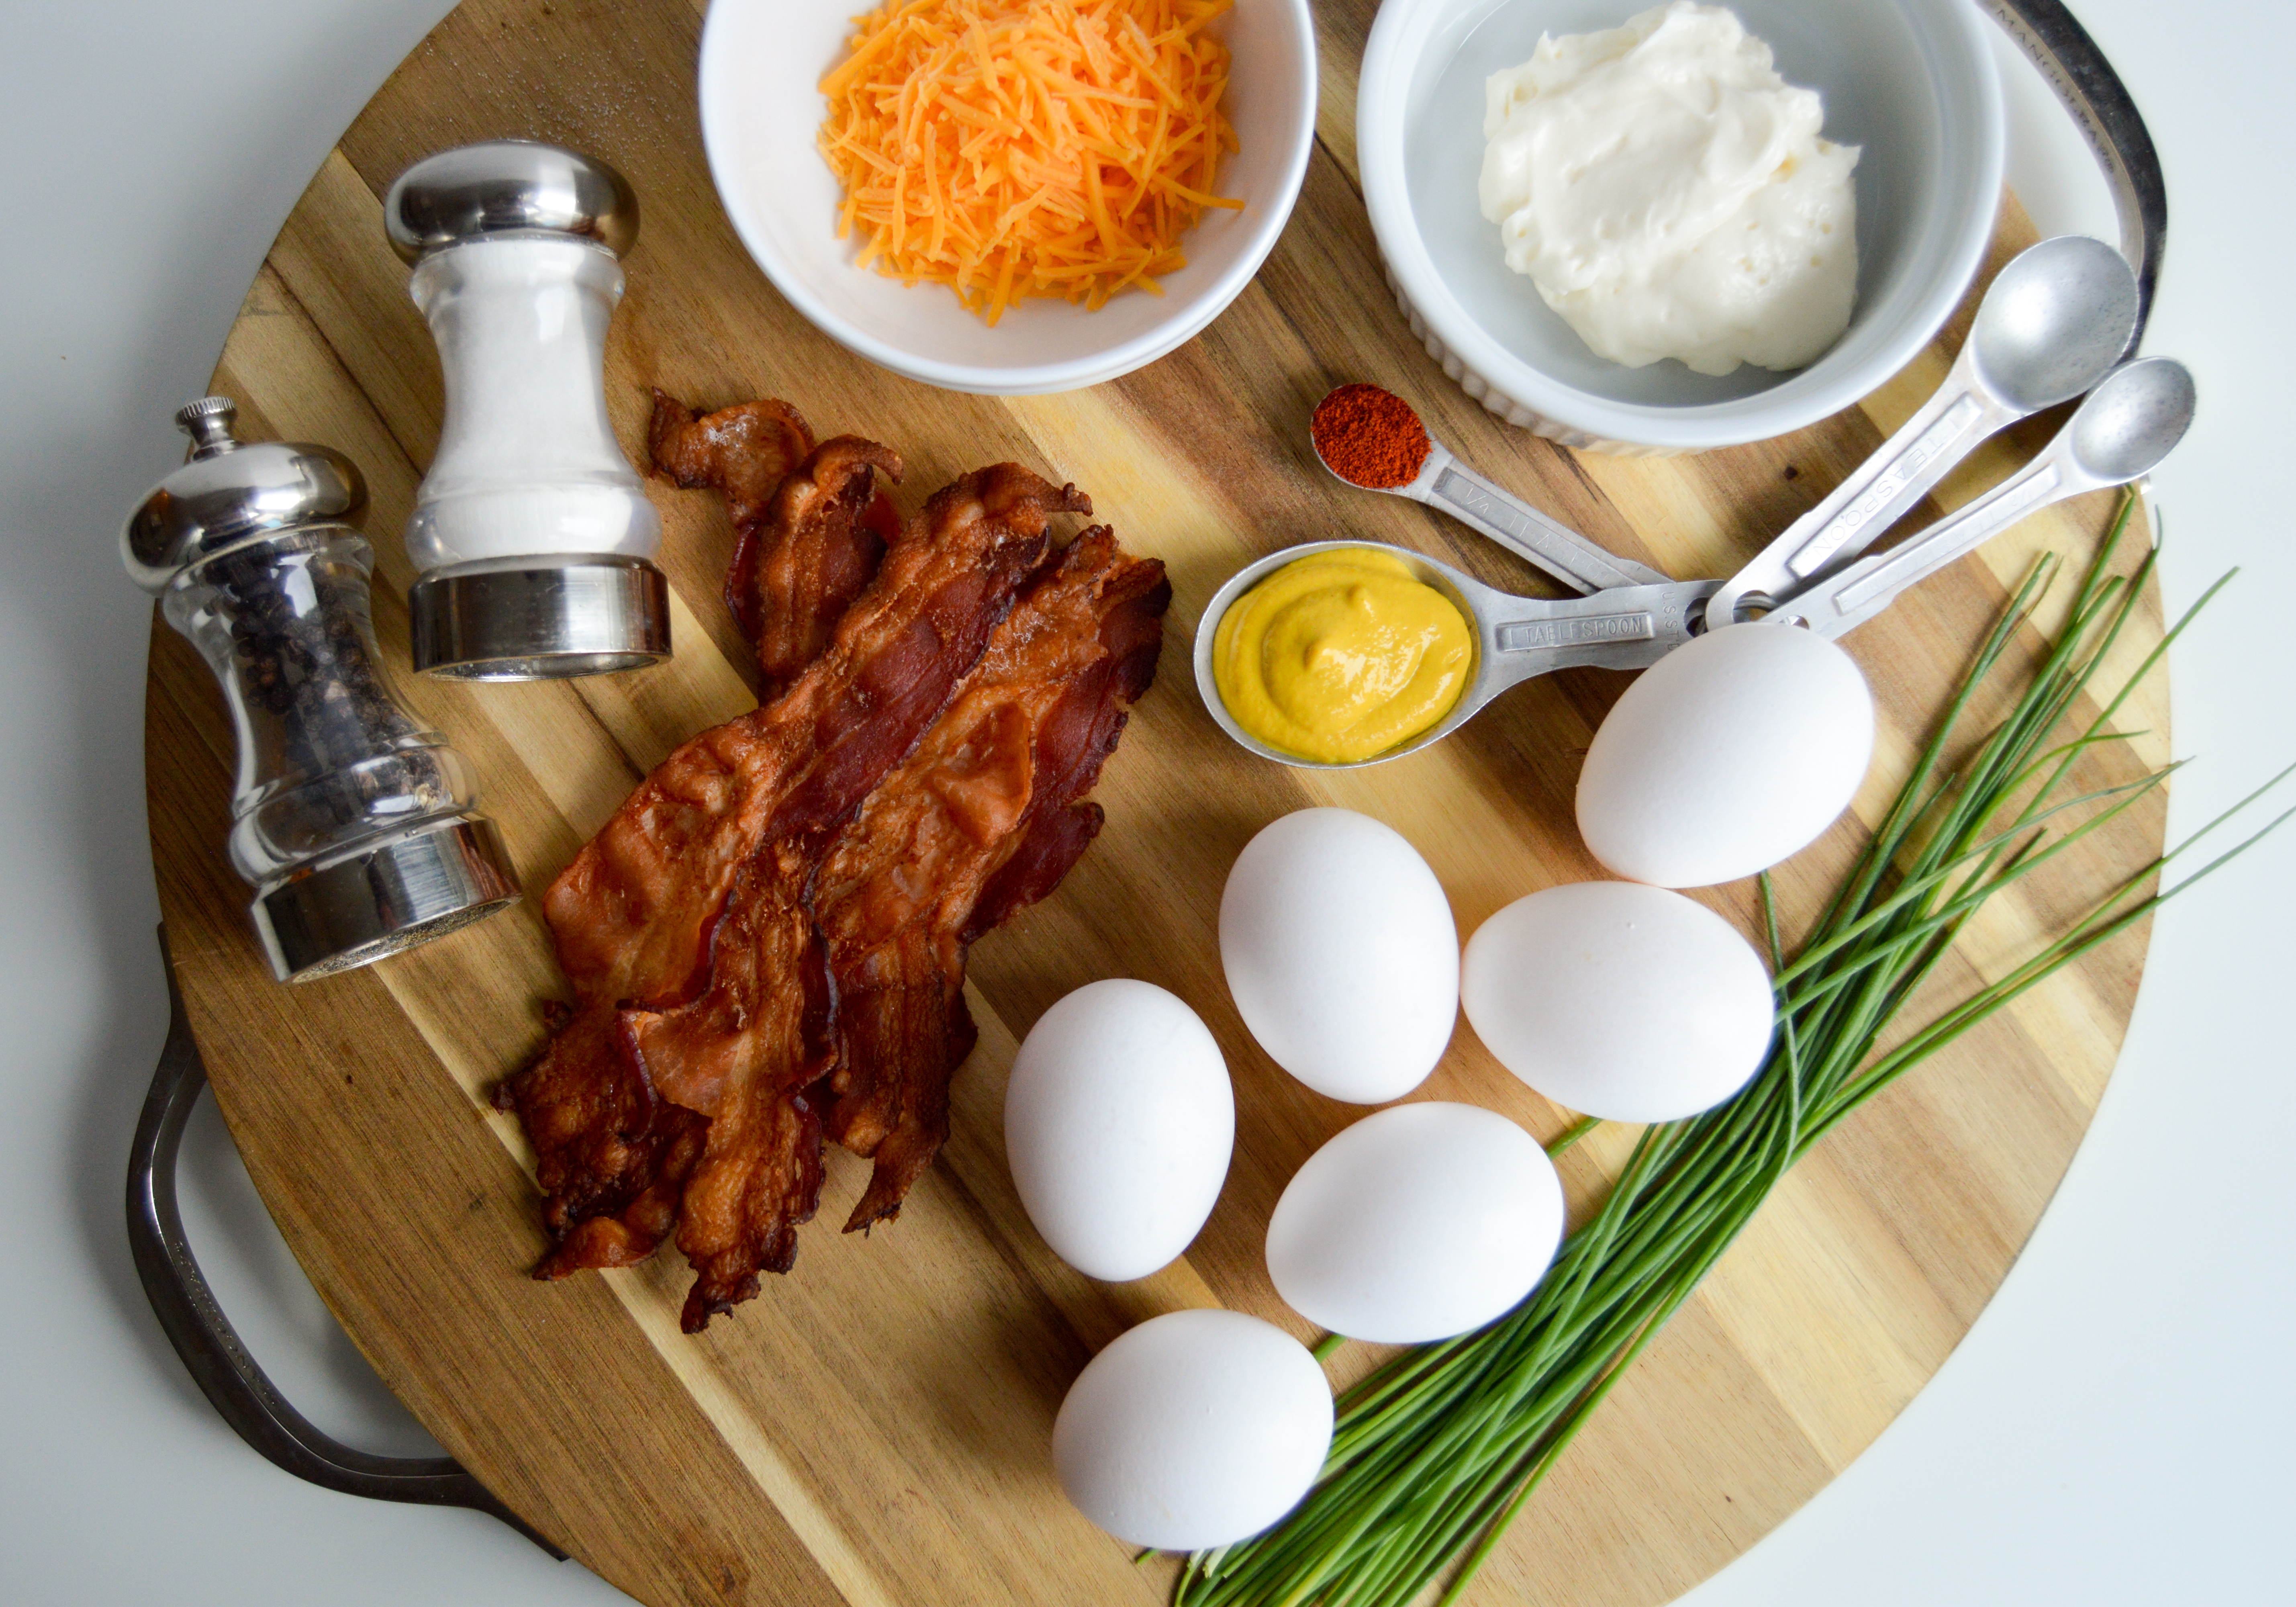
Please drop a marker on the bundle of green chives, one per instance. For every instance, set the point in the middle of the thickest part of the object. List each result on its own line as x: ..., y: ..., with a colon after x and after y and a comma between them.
x: 1436, y: 1451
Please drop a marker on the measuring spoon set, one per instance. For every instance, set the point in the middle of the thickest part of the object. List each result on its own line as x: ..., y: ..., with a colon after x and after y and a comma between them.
x: 2054, y: 326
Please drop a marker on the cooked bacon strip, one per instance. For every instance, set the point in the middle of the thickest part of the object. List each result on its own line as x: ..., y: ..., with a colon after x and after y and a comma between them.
x: 978, y: 822
x: 634, y: 914
x: 811, y: 522
x: 796, y: 573
x: 613, y: 1158
x: 743, y: 1052
x: 741, y: 451
x: 740, y: 1056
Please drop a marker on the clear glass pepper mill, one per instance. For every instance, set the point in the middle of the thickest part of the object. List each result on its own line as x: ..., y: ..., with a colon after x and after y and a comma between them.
x: 533, y: 533
x: 357, y: 827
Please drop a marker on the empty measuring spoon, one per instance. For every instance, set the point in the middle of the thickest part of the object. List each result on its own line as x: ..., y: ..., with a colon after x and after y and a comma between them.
x: 2052, y: 324
x: 2126, y: 425
x: 1743, y: 747
x: 1516, y: 638
x: 1444, y: 482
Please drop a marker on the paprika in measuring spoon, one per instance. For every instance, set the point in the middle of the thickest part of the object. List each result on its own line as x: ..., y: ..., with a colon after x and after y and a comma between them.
x: 1370, y: 437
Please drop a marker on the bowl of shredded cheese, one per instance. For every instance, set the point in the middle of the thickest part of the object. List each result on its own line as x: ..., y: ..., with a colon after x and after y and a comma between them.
x: 1010, y: 197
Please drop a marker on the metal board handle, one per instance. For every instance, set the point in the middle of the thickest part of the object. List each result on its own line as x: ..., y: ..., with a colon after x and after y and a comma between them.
x: 2102, y: 107
x: 210, y: 1348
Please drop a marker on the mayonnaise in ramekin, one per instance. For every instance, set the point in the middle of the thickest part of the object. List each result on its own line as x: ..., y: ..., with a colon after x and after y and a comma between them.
x: 1670, y: 195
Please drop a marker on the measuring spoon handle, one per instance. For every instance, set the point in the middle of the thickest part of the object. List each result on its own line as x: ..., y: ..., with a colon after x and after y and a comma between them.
x: 1447, y: 484
x: 1842, y: 602
x: 1619, y: 627
x: 1876, y: 495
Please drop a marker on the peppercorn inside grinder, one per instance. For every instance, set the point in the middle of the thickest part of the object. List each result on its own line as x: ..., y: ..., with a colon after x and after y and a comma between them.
x: 356, y: 825
x: 533, y: 536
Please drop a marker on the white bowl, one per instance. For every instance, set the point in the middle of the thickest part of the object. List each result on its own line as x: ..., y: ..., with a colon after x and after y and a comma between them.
x: 1910, y: 81
x: 762, y: 62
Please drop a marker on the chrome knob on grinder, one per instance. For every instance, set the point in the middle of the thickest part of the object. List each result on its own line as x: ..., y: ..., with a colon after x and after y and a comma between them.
x: 358, y: 827
x: 533, y: 534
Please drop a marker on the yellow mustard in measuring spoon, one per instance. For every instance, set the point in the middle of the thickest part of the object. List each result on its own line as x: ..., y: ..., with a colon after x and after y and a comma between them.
x: 1340, y: 655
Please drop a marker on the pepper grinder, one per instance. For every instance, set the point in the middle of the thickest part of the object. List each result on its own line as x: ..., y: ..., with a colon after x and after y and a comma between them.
x: 533, y: 534
x: 357, y: 827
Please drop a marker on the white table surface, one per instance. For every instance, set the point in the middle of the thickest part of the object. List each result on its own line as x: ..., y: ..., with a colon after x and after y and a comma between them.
x: 2115, y: 1430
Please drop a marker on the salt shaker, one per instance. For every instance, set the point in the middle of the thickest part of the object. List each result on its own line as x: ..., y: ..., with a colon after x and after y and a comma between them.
x: 357, y: 827
x: 534, y: 537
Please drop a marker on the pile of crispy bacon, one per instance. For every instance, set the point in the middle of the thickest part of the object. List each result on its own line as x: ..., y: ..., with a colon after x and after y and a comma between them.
x: 768, y: 938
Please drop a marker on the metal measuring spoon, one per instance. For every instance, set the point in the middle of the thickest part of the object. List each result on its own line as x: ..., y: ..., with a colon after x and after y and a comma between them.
x: 1444, y: 482
x: 2129, y: 422
x: 2052, y: 324
x: 1516, y: 638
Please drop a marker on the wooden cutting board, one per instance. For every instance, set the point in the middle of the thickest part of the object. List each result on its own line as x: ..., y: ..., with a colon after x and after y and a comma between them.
x: 874, y: 1429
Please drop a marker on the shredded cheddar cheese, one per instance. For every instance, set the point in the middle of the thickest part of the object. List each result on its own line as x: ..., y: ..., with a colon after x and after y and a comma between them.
x: 1018, y: 148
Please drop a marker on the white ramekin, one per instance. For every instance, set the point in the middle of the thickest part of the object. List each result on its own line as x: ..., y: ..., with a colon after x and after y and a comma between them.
x: 1910, y: 81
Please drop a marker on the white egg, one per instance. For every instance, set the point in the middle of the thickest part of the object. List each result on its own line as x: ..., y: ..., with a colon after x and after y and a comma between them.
x: 1195, y: 1428
x: 1727, y: 756
x: 1415, y: 1224
x: 1341, y: 955
x: 1118, y: 1121
x: 1621, y: 1001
